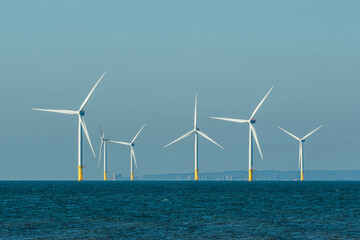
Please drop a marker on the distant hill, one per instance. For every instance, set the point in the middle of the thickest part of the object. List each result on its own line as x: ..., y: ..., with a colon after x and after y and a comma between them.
x: 269, y: 175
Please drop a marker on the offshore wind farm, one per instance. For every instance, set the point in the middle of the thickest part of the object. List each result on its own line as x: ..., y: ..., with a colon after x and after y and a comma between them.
x: 277, y: 71
x: 103, y: 146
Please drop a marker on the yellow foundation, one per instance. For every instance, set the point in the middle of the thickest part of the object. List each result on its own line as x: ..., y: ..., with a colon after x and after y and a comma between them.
x: 302, y: 176
x: 132, y: 176
x: 80, y: 176
x: 196, y: 174
x: 250, y: 175
x: 104, y: 176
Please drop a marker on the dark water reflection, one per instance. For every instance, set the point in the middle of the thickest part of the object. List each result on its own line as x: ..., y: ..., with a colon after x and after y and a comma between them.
x: 180, y: 210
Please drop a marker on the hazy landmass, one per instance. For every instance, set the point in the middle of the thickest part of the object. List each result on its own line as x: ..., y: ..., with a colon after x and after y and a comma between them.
x: 269, y: 175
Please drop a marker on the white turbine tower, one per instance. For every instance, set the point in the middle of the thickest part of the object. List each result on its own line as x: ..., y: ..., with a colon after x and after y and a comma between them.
x: 104, y: 141
x: 301, y: 149
x: 132, y: 153
x: 197, y: 131
x: 252, y: 134
x: 80, y: 113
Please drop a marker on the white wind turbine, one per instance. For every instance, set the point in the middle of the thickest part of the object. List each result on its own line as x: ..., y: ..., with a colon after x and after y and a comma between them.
x: 132, y: 153
x: 104, y: 141
x: 80, y: 113
x: 252, y: 134
x: 301, y: 149
x: 197, y: 131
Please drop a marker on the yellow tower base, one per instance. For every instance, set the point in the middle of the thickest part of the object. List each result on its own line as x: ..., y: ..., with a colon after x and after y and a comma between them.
x: 250, y: 175
x: 302, y: 176
x: 80, y: 176
x: 104, y: 176
x: 132, y: 176
x: 196, y: 174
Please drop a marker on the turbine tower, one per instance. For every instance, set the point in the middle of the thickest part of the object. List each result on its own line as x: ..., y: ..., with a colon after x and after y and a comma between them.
x: 252, y: 134
x: 132, y: 153
x: 81, y: 124
x: 197, y: 131
x: 301, y: 149
x: 104, y: 141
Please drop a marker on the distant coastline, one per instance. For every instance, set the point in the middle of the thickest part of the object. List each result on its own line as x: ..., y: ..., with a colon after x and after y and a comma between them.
x: 261, y: 175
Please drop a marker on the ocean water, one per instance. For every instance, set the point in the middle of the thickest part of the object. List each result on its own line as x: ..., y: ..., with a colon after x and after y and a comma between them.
x: 179, y: 210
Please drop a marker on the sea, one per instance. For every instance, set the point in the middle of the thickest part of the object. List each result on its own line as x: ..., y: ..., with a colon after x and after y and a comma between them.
x: 179, y: 210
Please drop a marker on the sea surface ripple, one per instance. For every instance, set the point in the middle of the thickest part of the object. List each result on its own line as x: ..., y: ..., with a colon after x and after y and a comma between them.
x: 179, y: 210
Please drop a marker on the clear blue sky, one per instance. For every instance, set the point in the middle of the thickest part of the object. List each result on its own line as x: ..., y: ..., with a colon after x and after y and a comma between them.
x: 158, y: 54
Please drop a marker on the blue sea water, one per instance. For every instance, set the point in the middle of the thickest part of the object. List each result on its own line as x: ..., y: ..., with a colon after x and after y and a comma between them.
x: 179, y: 210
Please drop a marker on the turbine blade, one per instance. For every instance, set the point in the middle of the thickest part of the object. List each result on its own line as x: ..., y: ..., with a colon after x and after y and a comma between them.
x: 231, y: 119
x: 138, y: 133
x: 312, y: 132
x: 257, y: 108
x: 133, y: 154
x: 195, y: 120
x: 256, y: 140
x: 182, y: 137
x: 101, y: 145
x: 92, y: 90
x: 208, y: 138
x: 101, y: 134
x: 56, y: 111
x: 290, y: 134
x: 82, y: 121
x: 123, y: 143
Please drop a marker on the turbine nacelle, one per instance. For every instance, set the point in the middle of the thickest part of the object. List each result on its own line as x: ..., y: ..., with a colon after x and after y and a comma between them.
x: 252, y: 121
x: 82, y: 113
x: 302, y: 140
x: 197, y: 129
x: 132, y: 144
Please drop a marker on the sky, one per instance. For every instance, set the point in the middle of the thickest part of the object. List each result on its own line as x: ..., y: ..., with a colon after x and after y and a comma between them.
x: 157, y: 55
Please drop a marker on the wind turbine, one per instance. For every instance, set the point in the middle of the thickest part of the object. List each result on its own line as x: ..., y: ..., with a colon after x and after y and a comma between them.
x: 103, y: 148
x: 252, y: 134
x: 301, y: 149
x: 132, y: 153
x: 197, y: 131
x: 80, y: 113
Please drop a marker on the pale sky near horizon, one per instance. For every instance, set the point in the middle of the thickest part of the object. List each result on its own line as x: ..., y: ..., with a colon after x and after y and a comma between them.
x: 158, y: 54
